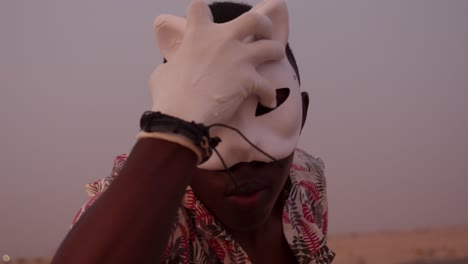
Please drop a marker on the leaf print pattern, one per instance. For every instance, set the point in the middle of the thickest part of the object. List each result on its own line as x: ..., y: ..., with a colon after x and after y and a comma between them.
x: 198, y: 237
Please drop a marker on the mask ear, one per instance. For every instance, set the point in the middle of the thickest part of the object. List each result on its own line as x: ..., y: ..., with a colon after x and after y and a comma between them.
x: 169, y: 32
x: 277, y: 11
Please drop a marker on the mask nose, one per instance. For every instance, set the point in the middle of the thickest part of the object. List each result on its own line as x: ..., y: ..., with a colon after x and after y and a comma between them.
x: 238, y: 152
x: 233, y: 149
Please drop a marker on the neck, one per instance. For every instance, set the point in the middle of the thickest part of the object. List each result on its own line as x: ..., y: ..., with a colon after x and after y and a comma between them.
x: 270, y: 232
x: 267, y: 243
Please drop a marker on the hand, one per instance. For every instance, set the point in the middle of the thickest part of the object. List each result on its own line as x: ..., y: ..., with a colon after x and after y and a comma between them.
x: 213, y: 68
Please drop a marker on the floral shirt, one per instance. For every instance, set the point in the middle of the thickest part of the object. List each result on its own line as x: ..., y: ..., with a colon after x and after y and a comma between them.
x: 198, y: 237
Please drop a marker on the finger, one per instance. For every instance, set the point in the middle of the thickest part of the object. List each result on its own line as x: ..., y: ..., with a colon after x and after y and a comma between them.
x: 198, y: 13
x: 169, y: 31
x: 264, y: 50
x: 251, y: 24
x: 277, y: 12
x: 265, y: 91
x: 168, y: 22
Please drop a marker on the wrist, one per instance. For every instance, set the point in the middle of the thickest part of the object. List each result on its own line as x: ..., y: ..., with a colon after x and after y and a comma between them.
x: 188, y: 134
x: 174, y: 138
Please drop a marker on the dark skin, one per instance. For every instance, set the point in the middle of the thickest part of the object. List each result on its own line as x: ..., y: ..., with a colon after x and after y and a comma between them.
x: 130, y: 222
x: 258, y: 229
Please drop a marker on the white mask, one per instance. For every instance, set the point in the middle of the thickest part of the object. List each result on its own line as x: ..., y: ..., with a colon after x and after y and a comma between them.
x: 276, y: 132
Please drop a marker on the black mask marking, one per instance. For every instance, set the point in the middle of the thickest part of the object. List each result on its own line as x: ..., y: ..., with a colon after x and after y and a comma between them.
x: 281, y: 95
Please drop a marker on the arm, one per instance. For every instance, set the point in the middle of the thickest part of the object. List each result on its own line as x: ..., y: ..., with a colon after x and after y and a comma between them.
x: 131, y: 221
x: 205, y: 80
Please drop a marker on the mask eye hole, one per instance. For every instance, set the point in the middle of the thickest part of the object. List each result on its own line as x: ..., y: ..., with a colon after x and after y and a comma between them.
x: 281, y: 95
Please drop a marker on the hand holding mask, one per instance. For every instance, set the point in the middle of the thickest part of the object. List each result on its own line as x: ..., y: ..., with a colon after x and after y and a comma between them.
x: 223, y: 73
x: 211, y: 69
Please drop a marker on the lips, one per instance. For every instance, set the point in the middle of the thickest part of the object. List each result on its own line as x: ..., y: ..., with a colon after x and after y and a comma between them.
x: 249, y: 183
x: 248, y: 201
x: 246, y: 189
x: 247, y: 195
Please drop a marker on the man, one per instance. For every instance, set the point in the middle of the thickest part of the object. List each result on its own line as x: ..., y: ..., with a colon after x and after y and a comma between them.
x: 227, y: 88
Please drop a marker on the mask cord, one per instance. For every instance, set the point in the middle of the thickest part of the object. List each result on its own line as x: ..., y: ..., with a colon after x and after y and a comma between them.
x: 248, y: 141
x: 226, y: 168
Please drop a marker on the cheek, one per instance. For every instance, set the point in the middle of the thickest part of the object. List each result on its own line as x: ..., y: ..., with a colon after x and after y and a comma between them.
x: 286, y: 167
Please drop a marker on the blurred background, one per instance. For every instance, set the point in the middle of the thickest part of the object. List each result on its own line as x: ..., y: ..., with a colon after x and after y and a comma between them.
x: 388, y: 82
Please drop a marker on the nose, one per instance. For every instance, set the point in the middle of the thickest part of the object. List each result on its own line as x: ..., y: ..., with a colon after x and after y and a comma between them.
x: 239, y: 152
x: 231, y: 152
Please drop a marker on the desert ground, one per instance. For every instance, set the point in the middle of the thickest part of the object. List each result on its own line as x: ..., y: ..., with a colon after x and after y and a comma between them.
x: 447, y: 245
x: 428, y: 246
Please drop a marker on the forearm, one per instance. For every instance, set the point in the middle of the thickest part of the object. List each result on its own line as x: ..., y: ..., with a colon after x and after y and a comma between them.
x: 131, y: 221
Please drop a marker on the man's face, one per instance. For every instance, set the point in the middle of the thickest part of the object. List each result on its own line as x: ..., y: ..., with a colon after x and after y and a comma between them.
x: 243, y: 197
x: 247, y: 204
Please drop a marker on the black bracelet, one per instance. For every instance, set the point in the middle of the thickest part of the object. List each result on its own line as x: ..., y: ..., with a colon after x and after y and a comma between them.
x: 197, y: 133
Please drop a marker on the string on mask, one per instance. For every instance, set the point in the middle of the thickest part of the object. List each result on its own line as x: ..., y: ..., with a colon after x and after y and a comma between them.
x: 154, y: 122
x: 226, y: 168
x: 245, y: 138
x: 275, y: 161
